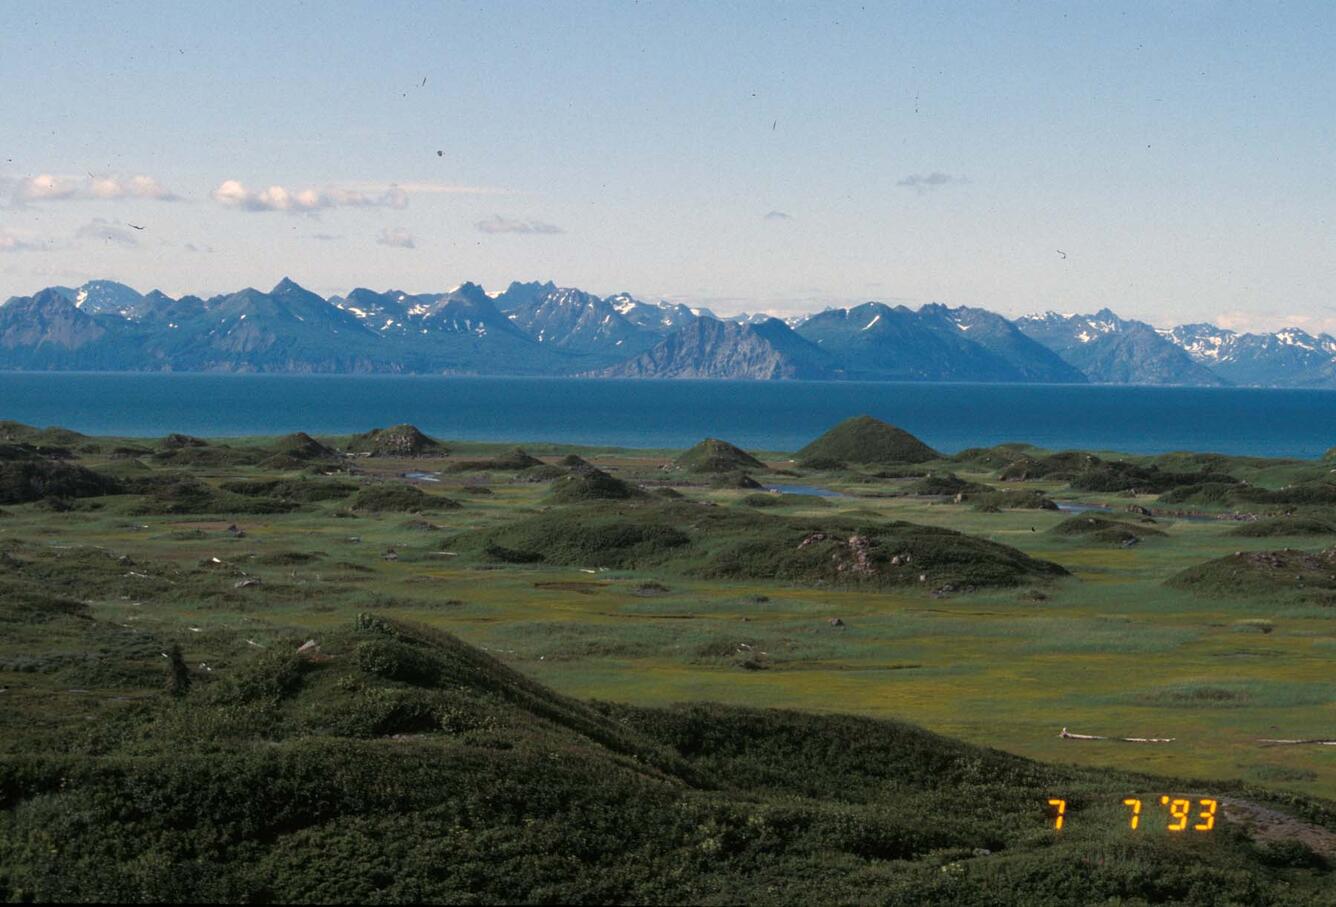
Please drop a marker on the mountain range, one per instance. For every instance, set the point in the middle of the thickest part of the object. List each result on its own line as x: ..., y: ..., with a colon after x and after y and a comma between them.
x: 542, y: 329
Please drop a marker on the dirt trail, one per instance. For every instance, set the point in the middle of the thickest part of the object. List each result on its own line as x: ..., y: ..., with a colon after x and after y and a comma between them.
x: 1265, y: 824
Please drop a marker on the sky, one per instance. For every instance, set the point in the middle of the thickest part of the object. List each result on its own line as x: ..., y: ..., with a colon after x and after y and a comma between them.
x: 1172, y: 161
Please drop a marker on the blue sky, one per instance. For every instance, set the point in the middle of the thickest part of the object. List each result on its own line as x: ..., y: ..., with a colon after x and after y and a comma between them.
x: 776, y: 157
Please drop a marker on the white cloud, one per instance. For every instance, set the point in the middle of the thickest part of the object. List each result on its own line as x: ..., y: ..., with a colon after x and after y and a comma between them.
x: 498, y: 224
x: 777, y: 215
x: 451, y: 189
x: 10, y: 242
x: 398, y: 237
x: 1244, y: 322
x: 108, y: 232
x: 233, y: 194
x: 46, y: 187
x: 926, y: 182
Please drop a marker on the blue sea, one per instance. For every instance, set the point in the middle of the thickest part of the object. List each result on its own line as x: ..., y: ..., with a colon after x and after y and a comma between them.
x: 776, y: 416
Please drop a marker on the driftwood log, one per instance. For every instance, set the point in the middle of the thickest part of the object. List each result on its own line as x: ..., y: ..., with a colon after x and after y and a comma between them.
x: 1068, y: 735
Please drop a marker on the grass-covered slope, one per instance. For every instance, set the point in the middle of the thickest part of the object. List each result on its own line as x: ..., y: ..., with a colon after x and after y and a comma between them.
x: 391, y: 763
x: 868, y: 441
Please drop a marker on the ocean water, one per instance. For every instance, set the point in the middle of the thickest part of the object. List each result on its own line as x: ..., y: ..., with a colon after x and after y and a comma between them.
x: 774, y: 416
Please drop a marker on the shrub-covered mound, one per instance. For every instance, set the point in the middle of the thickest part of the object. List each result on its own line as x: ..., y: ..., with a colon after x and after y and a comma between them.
x: 512, y: 460
x: 785, y: 499
x: 713, y: 455
x: 187, y: 453
x: 53, y: 436
x: 866, y: 441
x: 23, y: 480
x: 304, y: 490
x: 1104, y: 529
x: 948, y: 484
x: 1283, y: 526
x: 168, y: 494
x: 741, y: 543
x: 1065, y: 465
x: 390, y: 762
x: 1009, y: 499
x: 176, y: 441
x: 396, y: 441
x: 588, y: 483
x: 734, y: 480
x: 298, y: 449
x: 1262, y: 573
x: 397, y: 497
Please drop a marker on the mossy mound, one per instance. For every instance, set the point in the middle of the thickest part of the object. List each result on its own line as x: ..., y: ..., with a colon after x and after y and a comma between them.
x: 396, y: 441
x: 176, y: 441
x: 1065, y: 465
x: 23, y: 451
x: 1105, y: 529
x: 209, y: 455
x: 948, y: 484
x: 734, y: 480
x: 301, y: 447
x: 742, y: 543
x: 866, y: 441
x: 1282, y: 526
x: 715, y: 456
x: 785, y: 499
x: 304, y: 490
x: 127, y: 452
x: 1120, y: 476
x: 1240, y: 496
x: 1009, y: 499
x: 22, y: 481
x: 182, y: 495
x: 999, y: 456
x: 1262, y: 573
x: 513, y: 460
x: 396, y: 497
x: 1213, y: 494
x: 591, y: 484
x: 52, y: 436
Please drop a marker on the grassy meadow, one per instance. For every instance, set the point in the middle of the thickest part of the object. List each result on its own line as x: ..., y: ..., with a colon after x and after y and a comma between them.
x: 621, y: 592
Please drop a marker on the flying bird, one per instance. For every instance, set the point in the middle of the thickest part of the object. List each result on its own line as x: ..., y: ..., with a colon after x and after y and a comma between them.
x: 136, y: 226
x: 1062, y: 253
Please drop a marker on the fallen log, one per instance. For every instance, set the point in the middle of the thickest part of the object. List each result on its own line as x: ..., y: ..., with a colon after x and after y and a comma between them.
x: 1068, y: 735
x: 1311, y: 742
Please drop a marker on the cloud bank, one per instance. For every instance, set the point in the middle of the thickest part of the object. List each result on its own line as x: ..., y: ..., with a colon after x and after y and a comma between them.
x: 108, y: 232
x: 234, y: 194
x: 46, y: 187
x: 397, y: 237
x: 927, y: 182
x: 9, y: 242
x: 498, y: 224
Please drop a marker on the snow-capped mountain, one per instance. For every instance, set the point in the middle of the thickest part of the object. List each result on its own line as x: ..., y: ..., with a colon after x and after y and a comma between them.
x: 572, y: 319
x: 103, y: 297
x: 539, y: 328
x: 1288, y: 357
x: 1113, y: 350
